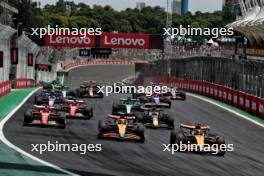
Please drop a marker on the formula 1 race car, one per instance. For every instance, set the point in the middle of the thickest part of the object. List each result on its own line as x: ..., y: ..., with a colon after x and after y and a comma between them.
x: 44, y: 116
x: 47, y: 97
x: 198, y: 134
x: 89, y: 89
x: 76, y: 109
x: 156, y: 118
x: 174, y: 94
x: 155, y: 101
x: 122, y: 127
x: 126, y: 105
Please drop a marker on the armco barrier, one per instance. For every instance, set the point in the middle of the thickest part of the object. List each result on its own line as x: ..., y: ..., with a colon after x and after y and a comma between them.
x: 101, y: 62
x: 249, y: 103
x: 21, y: 83
x: 5, y: 88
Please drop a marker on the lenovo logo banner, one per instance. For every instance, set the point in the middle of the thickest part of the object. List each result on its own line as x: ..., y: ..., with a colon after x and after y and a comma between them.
x: 105, y: 40
x: 122, y: 40
x: 69, y: 40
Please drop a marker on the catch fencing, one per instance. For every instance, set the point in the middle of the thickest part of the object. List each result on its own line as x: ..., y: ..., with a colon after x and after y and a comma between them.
x: 241, y: 75
x: 239, y: 99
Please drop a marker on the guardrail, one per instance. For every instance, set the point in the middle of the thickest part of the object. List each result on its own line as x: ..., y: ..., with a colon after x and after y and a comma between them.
x: 5, y: 88
x: 249, y: 103
x: 103, y: 62
x: 21, y: 83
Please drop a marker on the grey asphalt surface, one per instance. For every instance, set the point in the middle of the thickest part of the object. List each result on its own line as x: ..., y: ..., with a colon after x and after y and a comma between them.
x: 137, y: 159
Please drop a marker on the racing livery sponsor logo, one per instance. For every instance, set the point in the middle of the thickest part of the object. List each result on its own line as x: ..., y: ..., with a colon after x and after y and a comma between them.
x: 119, y: 40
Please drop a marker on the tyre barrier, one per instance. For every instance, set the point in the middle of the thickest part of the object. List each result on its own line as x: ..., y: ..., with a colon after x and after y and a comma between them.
x: 21, y: 83
x: 249, y: 103
x: 5, y: 88
x: 101, y: 62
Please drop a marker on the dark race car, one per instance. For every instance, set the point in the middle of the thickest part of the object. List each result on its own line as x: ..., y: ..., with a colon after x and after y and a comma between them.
x: 156, y: 118
x: 155, y: 101
x: 126, y: 105
x: 76, y: 109
x: 89, y: 89
x: 44, y: 116
x: 174, y: 94
x: 198, y: 134
x: 46, y: 97
x: 121, y: 127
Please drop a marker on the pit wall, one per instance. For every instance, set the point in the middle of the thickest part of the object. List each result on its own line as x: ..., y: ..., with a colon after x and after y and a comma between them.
x: 249, y: 103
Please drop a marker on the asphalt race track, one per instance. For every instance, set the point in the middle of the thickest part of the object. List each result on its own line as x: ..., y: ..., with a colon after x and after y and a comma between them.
x: 131, y: 158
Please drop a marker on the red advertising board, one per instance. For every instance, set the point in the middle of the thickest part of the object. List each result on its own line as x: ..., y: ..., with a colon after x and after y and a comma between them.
x: 241, y: 100
x: 225, y: 92
x: 254, y: 105
x: 261, y: 108
x: 230, y: 96
x: 70, y: 40
x: 248, y: 99
x: 123, y: 40
x: 235, y: 98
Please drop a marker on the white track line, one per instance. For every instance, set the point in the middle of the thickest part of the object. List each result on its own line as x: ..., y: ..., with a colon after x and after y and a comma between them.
x: 227, y: 109
x: 9, y: 144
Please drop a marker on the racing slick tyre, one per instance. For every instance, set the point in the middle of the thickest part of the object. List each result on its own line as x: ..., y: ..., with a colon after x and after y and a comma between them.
x: 139, y: 117
x: 47, y: 86
x: 102, y: 127
x: 140, y: 132
x: 220, y: 141
x: 173, y: 137
x: 89, y: 112
x: 176, y: 137
x: 167, y: 101
x: 62, y: 120
x: 115, y: 108
x: 170, y: 122
x: 71, y: 93
x: 27, y: 117
x: 78, y: 93
x: 101, y: 95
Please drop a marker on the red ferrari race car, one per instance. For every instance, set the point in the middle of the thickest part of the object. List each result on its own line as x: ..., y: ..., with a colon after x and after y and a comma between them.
x: 44, y: 116
x: 76, y: 109
x: 155, y: 101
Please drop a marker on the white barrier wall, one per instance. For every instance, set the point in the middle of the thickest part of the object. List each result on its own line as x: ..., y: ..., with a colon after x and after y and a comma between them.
x: 25, y: 46
x: 6, y: 33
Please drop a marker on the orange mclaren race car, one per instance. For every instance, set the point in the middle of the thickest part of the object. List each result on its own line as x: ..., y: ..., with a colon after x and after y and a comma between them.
x: 199, y: 135
x: 44, y: 116
x: 122, y: 127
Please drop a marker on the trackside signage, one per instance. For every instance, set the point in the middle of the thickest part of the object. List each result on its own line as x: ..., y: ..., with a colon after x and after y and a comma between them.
x: 70, y: 40
x: 105, y: 40
x: 122, y: 40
